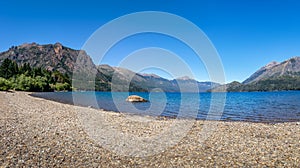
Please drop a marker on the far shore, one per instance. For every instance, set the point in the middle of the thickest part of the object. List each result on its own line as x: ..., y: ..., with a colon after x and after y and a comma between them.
x: 42, y: 133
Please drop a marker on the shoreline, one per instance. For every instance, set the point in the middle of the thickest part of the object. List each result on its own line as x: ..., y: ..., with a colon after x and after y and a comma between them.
x: 40, y: 132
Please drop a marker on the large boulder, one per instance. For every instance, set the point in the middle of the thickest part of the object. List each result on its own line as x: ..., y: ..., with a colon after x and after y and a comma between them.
x: 135, y: 98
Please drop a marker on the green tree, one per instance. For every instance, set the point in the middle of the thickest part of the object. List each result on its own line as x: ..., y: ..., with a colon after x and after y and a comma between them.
x: 5, y: 84
x: 23, y: 83
x: 26, y: 78
x: 61, y: 87
x: 8, y: 69
x: 26, y: 69
x: 40, y: 84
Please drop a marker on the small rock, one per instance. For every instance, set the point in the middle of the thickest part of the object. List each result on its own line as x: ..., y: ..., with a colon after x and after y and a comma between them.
x: 135, y: 98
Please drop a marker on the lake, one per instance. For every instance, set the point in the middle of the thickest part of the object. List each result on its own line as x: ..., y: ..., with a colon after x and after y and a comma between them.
x: 271, y: 107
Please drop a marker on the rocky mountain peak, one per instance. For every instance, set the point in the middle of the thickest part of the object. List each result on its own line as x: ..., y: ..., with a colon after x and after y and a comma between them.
x: 271, y: 64
x: 150, y: 75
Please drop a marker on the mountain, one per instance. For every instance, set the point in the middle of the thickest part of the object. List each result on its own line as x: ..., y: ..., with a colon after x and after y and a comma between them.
x: 229, y: 87
x: 78, y: 65
x: 50, y: 56
x: 273, y: 76
x: 56, y: 57
x: 119, y: 79
x: 149, y: 82
x: 261, y: 73
x: 186, y: 84
x: 290, y: 67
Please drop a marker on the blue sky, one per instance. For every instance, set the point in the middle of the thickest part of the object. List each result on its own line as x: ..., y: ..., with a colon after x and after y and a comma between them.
x: 247, y: 34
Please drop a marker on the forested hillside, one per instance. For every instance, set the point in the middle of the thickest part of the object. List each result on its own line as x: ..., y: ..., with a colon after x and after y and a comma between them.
x: 27, y: 78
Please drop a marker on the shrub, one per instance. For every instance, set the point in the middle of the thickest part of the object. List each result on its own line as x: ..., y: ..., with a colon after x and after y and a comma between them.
x: 61, y: 86
x: 5, y: 84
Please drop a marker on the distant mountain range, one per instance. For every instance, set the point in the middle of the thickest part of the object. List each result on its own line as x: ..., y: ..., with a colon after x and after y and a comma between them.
x: 63, y: 59
x: 273, y: 76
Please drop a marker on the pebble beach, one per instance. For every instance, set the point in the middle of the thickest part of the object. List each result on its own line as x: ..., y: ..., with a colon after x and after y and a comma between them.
x: 35, y: 132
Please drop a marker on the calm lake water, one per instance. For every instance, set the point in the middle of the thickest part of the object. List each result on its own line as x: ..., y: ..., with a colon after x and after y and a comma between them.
x: 247, y: 106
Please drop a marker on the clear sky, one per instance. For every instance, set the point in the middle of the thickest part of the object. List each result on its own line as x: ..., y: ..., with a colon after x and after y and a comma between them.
x: 246, y: 33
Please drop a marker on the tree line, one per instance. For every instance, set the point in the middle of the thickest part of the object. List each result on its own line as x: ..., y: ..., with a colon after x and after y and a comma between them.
x: 279, y: 83
x: 27, y: 78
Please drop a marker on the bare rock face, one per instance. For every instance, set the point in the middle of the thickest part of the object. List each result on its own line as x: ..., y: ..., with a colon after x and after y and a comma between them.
x: 57, y: 48
x: 135, y: 98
